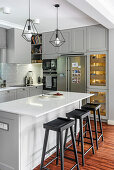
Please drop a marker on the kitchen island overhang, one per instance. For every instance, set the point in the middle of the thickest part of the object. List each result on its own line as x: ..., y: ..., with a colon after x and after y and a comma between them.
x: 25, y: 118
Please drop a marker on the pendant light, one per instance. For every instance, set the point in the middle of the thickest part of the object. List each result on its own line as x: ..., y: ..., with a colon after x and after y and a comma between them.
x: 29, y: 28
x: 57, y: 38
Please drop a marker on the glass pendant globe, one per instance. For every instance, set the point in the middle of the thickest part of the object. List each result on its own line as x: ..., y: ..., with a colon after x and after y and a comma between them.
x: 57, y: 41
x: 29, y: 35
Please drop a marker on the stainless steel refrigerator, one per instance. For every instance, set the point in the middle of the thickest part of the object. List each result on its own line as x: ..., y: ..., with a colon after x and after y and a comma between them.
x: 71, y: 73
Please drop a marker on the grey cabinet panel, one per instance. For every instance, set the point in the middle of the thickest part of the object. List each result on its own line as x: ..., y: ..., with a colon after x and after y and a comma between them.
x: 78, y: 42
x: 9, y: 142
x: 2, y: 38
x: 47, y: 47
x: 35, y: 91
x: 4, y: 96
x: 50, y: 56
x: 22, y: 93
x: 97, y: 38
x: 66, y: 47
x: 18, y: 49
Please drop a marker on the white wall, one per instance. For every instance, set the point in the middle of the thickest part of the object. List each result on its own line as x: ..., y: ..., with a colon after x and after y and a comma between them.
x: 14, y: 73
x: 111, y: 76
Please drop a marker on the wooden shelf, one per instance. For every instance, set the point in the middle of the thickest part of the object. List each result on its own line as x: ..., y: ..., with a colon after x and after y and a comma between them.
x: 37, y: 54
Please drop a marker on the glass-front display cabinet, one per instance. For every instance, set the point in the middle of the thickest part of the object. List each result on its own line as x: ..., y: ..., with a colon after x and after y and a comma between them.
x: 99, y: 97
x: 98, y: 70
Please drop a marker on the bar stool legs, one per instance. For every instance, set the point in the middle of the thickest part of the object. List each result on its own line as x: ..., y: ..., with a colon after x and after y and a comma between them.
x: 96, y: 134
x: 82, y: 141
x: 44, y: 147
x: 99, y: 116
x: 61, y: 151
x: 57, y: 152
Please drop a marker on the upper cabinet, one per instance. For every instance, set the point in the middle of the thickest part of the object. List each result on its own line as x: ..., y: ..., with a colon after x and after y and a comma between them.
x: 78, y: 40
x: 47, y: 47
x: 2, y: 38
x: 66, y: 47
x: 97, y: 36
x: 18, y: 49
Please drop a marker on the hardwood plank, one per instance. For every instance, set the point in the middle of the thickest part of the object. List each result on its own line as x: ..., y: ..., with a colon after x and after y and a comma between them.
x: 103, y: 158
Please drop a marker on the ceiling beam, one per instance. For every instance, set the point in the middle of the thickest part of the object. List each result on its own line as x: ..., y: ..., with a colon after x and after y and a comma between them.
x: 89, y: 10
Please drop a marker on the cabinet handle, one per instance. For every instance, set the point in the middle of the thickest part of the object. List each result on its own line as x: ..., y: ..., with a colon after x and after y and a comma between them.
x: 8, y: 91
x: 36, y: 87
x: 23, y: 89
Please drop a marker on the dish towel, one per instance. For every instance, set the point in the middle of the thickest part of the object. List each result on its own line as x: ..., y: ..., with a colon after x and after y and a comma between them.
x: 48, y: 82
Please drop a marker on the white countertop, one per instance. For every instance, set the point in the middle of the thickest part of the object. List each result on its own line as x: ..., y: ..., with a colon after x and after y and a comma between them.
x: 37, y: 106
x: 14, y: 88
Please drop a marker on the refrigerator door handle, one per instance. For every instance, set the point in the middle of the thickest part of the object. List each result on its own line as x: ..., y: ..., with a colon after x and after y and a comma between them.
x: 68, y: 72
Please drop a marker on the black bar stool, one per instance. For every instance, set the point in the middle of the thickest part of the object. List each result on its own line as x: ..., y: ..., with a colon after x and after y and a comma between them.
x: 81, y: 115
x: 59, y: 125
x: 94, y: 108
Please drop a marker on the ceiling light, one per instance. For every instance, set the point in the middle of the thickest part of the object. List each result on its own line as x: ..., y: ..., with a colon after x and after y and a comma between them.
x: 5, y: 10
x: 29, y: 28
x: 36, y: 21
x: 57, y: 38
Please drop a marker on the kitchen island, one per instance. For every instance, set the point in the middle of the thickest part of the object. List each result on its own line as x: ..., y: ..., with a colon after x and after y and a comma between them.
x: 21, y: 127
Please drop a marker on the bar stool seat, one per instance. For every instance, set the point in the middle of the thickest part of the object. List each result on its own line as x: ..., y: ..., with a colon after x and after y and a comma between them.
x: 94, y: 108
x: 81, y: 115
x: 59, y: 125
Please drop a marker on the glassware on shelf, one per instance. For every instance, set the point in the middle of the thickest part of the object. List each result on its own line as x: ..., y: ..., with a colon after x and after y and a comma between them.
x: 98, y: 69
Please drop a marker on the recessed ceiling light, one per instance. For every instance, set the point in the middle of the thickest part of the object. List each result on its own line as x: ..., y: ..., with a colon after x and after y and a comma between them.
x: 6, y: 10
x: 36, y: 21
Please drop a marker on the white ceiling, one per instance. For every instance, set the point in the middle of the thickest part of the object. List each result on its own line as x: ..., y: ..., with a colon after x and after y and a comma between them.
x: 69, y: 16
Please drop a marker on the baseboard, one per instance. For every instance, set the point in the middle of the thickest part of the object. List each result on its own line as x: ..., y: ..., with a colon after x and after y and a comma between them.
x: 110, y: 122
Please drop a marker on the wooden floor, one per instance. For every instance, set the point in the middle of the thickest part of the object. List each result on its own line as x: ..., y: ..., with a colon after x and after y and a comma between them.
x: 102, y: 160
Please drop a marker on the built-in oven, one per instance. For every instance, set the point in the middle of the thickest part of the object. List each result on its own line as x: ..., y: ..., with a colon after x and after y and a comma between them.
x: 50, y: 81
x: 49, y: 64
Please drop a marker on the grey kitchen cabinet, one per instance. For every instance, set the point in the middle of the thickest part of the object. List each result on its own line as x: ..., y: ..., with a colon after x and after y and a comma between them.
x: 33, y: 91
x: 22, y: 93
x: 2, y: 38
x: 78, y: 40
x: 50, y: 56
x: 18, y: 49
x: 66, y: 47
x: 7, y: 95
x: 4, y: 96
x: 47, y: 47
x: 97, y: 37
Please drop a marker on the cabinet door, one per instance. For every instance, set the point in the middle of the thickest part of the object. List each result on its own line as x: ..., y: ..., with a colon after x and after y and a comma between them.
x: 22, y: 93
x: 50, y: 56
x: 2, y: 38
x: 66, y: 47
x: 78, y: 43
x: 47, y: 47
x: 4, y: 96
x: 12, y: 95
x: 96, y: 38
x: 18, y: 49
x: 35, y: 91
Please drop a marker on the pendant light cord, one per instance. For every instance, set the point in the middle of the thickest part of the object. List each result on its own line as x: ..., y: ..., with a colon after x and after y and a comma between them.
x: 29, y: 9
x: 57, y: 18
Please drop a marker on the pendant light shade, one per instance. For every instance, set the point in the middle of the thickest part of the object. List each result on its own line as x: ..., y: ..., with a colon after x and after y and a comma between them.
x: 29, y: 28
x: 57, y: 38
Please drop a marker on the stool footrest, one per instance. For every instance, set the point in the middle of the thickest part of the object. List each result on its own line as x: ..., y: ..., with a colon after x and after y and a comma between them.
x: 93, y: 131
x: 88, y: 150
x: 71, y: 160
x: 49, y: 163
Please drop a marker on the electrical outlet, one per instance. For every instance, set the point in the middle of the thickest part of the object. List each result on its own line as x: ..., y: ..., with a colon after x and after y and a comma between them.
x: 4, y: 126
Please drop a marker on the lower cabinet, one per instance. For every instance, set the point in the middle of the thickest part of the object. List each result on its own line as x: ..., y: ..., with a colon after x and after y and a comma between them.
x: 22, y: 93
x: 9, y: 95
x: 100, y: 97
x: 33, y: 91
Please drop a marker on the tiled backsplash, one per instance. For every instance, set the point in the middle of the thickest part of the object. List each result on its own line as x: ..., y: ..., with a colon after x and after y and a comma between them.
x: 14, y: 74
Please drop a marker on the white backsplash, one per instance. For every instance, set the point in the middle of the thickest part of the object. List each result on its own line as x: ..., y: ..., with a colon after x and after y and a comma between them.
x: 14, y: 74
